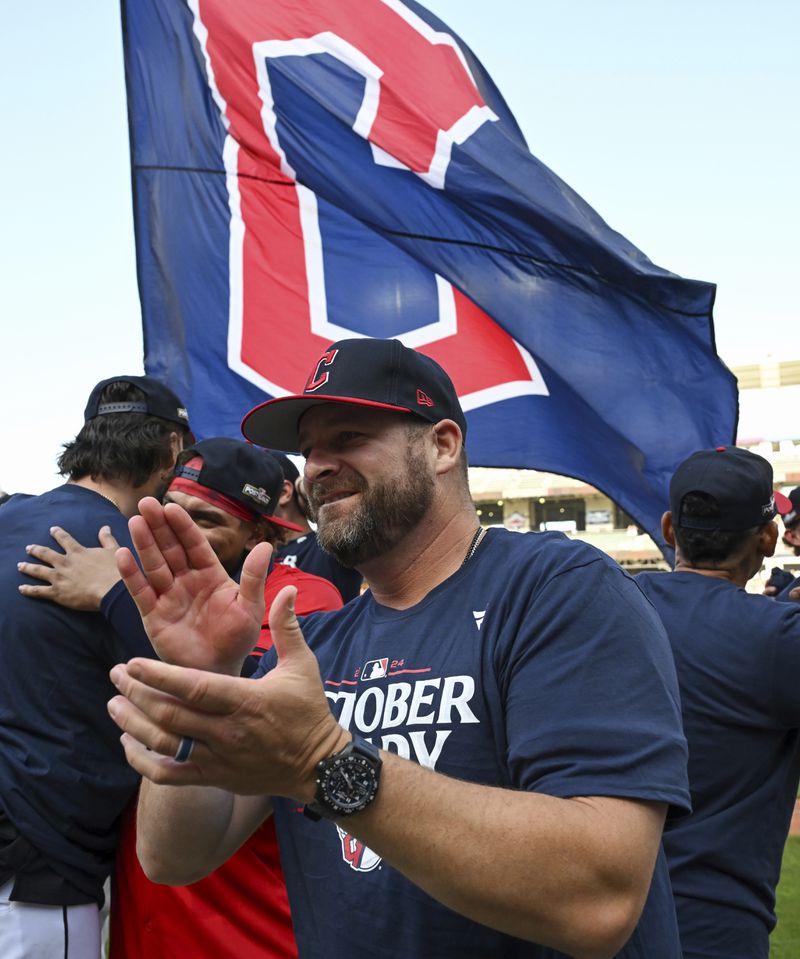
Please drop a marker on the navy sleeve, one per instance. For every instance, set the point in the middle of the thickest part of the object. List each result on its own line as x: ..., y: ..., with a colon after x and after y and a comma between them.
x: 591, y: 694
x: 129, y: 637
x: 783, y: 595
x: 785, y: 699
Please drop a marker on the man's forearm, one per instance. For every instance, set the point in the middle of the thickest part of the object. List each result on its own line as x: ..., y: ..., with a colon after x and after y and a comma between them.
x: 185, y: 832
x: 568, y: 873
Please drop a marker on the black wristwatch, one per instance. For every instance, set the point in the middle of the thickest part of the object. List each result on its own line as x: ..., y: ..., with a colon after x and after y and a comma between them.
x: 347, y: 781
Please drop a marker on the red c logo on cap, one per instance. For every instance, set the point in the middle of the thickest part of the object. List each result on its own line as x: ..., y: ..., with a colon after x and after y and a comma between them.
x: 318, y: 379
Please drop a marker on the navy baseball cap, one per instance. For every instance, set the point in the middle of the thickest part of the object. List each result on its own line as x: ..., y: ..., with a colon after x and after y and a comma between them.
x: 792, y: 516
x: 740, y: 482
x: 248, y: 476
x: 381, y: 374
x: 290, y: 471
x: 159, y: 401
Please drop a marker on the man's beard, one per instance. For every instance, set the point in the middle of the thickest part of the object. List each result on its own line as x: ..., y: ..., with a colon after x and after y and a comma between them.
x: 386, y: 511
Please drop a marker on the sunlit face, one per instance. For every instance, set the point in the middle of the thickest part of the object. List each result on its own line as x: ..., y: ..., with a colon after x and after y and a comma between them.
x: 231, y: 538
x: 368, y: 478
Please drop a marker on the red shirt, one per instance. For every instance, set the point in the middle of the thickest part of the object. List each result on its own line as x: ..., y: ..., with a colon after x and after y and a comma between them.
x: 314, y: 595
x: 240, y: 910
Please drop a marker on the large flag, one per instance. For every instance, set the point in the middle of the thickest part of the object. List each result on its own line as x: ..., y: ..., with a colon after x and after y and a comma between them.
x: 308, y: 171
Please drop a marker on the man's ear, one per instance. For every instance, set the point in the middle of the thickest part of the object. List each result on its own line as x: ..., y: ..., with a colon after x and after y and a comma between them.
x: 447, y: 434
x: 257, y: 535
x: 286, y: 493
x: 667, y: 530
x: 175, y: 447
x: 768, y: 538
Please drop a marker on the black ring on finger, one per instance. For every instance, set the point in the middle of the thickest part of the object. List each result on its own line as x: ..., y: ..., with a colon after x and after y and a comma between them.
x: 184, y: 749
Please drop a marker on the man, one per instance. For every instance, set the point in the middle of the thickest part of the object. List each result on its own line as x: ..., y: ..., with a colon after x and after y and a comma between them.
x: 63, y: 776
x: 781, y: 584
x: 303, y: 551
x: 520, y: 688
x: 738, y: 661
x: 230, y: 490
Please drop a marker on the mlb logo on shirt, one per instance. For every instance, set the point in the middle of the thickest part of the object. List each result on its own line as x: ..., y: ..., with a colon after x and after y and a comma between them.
x: 375, y: 669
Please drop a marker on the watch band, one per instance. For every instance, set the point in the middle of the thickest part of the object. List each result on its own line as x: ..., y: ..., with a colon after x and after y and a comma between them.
x: 347, y: 781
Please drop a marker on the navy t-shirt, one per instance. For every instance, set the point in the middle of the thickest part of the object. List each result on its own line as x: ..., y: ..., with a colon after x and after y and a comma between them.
x: 305, y: 553
x: 738, y: 661
x: 64, y: 779
x: 538, y: 665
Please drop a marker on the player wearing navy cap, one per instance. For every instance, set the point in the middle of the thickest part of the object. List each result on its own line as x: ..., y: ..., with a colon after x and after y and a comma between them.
x: 230, y: 489
x: 63, y: 776
x: 508, y: 736
x: 738, y: 661
x: 782, y: 584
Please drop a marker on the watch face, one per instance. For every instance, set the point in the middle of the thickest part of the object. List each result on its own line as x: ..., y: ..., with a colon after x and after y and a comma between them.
x: 349, y: 784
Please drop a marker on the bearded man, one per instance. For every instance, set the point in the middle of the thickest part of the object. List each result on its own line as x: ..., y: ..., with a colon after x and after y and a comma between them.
x: 508, y: 737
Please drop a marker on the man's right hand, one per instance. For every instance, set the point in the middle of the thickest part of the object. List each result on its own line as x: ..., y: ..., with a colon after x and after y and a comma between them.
x: 194, y: 614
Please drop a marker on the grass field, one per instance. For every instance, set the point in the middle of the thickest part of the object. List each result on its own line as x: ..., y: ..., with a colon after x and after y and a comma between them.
x: 785, y: 940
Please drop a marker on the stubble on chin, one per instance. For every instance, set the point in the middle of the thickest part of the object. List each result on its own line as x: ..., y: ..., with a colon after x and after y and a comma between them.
x: 348, y: 538
x: 383, y: 515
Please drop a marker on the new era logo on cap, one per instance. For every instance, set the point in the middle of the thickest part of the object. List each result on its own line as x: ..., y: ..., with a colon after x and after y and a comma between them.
x: 382, y: 374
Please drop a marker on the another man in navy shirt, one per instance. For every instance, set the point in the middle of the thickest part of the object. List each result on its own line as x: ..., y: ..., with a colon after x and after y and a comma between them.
x: 738, y: 661
x: 782, y: 585
x: 63, y: 776
x: 492, y: 731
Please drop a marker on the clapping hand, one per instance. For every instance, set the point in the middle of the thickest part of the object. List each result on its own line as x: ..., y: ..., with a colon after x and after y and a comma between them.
x: 194, y: 613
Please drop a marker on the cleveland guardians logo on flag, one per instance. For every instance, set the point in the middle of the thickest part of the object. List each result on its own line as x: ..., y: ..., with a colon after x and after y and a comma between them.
x: 306, y: 172
x: 346, y: 81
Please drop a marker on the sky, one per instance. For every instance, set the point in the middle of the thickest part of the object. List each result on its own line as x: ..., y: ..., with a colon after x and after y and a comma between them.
x: 675, y: 119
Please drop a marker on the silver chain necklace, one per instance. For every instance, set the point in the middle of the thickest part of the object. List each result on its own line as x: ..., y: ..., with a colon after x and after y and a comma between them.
x: 476, y: 541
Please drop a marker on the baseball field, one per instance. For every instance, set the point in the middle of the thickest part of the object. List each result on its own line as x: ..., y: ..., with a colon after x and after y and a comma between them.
x: 785, y: 940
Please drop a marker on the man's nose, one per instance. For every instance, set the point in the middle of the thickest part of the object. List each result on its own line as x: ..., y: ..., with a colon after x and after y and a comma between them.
x: 319, y: 465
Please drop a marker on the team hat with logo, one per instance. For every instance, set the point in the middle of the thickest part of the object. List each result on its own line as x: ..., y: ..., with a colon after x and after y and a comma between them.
x: 234, y: 476
x: 792, y: 517
x: 740, y: 482
x: 159, y: 401
x: 381, y: 374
